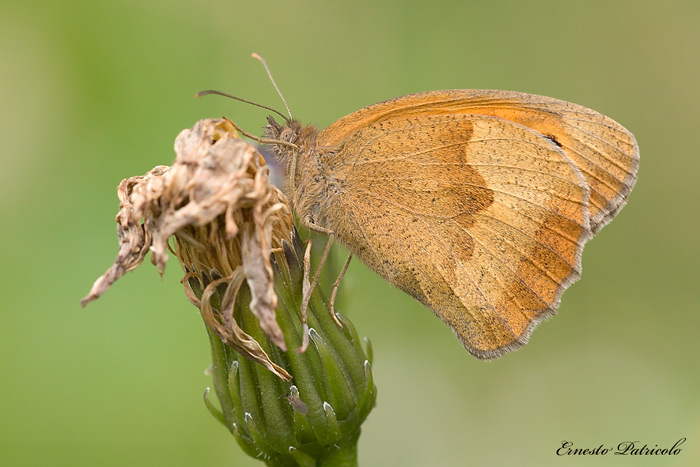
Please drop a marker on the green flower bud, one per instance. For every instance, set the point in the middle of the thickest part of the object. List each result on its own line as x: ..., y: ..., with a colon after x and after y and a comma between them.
x: 316, y: 416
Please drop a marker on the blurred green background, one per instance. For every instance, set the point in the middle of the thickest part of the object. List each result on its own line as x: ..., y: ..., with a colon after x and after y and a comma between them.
x: 93, y: 92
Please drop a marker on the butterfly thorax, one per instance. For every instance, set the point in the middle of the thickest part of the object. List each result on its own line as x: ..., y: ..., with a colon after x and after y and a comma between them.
x: 307, y: 180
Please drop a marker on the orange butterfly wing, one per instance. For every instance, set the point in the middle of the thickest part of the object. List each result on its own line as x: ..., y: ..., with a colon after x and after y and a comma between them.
x: 481, y: 218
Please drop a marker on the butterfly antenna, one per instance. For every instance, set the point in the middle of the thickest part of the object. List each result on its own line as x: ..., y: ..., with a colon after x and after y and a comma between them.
x: 219, y: 93
x: 262, y: 60
x: 261, y: 140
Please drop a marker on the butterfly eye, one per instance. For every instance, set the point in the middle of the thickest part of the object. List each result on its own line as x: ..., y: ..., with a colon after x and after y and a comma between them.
x: 287, y: 134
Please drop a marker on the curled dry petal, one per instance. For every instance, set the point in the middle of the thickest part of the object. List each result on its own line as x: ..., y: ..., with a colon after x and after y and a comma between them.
x: 217, y: 202
x: 258, y: 273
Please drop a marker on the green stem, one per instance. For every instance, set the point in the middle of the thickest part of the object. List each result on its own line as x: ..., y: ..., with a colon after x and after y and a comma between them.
x: 344, y: 456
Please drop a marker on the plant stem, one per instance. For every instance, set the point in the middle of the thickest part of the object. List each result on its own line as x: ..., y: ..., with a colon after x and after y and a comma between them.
x: 344, y: 456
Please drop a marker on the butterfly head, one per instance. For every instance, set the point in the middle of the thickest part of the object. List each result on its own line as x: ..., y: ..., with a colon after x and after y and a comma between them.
x: 282, y: 139
x: 290, y: 141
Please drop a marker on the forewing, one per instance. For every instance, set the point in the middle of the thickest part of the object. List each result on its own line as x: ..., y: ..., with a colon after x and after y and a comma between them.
x: 481, y: 219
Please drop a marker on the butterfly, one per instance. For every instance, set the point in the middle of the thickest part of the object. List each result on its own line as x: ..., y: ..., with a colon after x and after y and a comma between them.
x: 477, y: 203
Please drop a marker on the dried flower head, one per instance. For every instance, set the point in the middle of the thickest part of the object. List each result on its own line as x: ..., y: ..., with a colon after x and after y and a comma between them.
x: 226, y: 218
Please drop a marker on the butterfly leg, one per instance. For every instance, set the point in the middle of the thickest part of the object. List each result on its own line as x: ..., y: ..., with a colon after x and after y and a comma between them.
x: 336, y: 284
x: 309, y: 288
x: 305, y: 292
